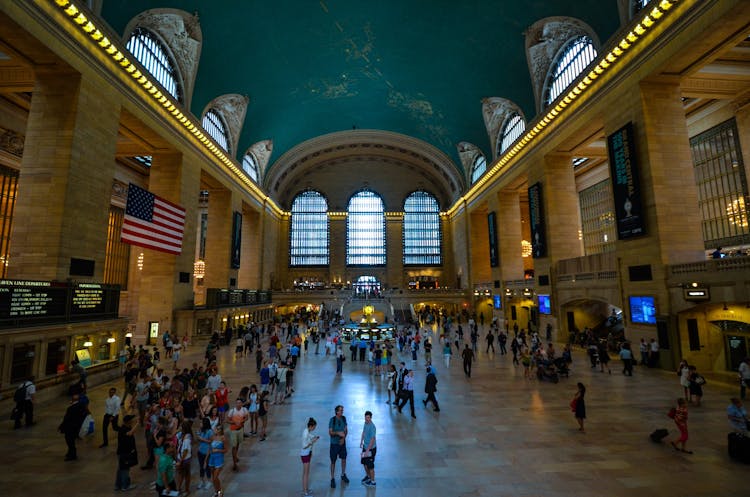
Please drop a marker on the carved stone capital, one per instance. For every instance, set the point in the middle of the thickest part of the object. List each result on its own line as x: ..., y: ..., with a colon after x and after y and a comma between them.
x: 11, y: 142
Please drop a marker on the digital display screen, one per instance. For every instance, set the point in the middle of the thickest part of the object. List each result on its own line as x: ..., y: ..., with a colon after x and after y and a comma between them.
x: 544, y: 304
x: 642, y: 309
x: 497, y: 302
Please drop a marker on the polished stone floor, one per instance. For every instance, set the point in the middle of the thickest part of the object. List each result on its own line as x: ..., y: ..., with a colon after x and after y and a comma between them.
x: 497, y: 434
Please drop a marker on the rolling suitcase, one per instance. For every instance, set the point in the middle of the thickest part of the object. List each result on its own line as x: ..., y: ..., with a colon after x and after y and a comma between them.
x: 739, y: 447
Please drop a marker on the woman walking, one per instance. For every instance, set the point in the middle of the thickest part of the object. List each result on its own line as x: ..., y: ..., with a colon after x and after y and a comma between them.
x: 263, y: 414
x: 680, y: 416
x: 683, y: 371
x: 695, y: 387
x: 308, y: 440
x: 578, y: 405
x: 204, y: 438
x: 447, y: 352
x: 185, y: 456
x: 252, y: 408
x: 216, y: 459
x: 391, y: 382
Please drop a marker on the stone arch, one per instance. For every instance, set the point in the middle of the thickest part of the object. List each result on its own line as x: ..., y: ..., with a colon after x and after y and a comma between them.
x: 544, y: 40
x: 467, y: 153
x: 232, y: 107
x: 180, y: 33
x: 496, y: 112
x: 261, y: 151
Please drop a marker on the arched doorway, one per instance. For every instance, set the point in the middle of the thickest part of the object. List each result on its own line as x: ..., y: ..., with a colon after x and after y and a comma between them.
x: 736, y: 341
x: 366, y: 287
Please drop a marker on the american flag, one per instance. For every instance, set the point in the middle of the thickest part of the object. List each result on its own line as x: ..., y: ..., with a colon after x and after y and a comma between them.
x: 152, y: 222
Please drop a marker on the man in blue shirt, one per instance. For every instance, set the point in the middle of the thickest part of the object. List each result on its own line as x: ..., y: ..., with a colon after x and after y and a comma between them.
x: 337, y: 429
x: 737, y: 416
x: 367, y: 442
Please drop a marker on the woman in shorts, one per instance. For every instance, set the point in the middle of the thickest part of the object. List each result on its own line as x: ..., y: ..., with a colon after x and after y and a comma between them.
x: 308, y: 440
x: 216, y: 453
x: 252, y: 408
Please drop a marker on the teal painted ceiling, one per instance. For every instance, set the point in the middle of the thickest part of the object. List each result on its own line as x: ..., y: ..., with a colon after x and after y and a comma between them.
x: 416, y: 67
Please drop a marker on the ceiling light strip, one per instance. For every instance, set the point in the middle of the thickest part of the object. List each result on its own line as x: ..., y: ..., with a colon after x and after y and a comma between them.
x: 170, y: 107
x: 605, y: 64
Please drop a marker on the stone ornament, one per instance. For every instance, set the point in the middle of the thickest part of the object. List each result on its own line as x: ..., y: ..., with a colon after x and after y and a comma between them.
x: 496, y: 112
x: 467, y: 153
x: 232, y: 107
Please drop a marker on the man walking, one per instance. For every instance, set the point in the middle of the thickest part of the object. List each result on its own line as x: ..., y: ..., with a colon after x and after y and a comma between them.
x: 490, y: 342
x: 24, y: 398
x: 408, y: 393
x: 468, y: 357
x: 430, y: 387
x: 367, y: 443
x: 338, y: 429
x: 71, y: 426
x: 237, y: 417
x: 111, y: 414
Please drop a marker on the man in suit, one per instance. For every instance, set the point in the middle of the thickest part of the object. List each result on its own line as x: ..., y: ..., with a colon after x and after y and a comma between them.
x: 71, y: 425
x: 430, y: 387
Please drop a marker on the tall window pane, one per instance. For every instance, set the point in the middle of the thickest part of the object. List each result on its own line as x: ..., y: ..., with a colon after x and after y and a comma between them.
x: 365, y: 230
x: 722, y: 186
x: 117, y: 257
x: 214, y: 126
x: 598, y: 218
x: 514, y: 127
x: 151, y: 54
x: 250, y: 166
x: 478, y: 168
x: 8, y: 189
x: 422, y: 234
x: 577, y: 55
x: 308, y: 245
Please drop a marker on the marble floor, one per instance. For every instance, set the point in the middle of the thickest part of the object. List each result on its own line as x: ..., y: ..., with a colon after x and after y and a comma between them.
x: 497, y: 434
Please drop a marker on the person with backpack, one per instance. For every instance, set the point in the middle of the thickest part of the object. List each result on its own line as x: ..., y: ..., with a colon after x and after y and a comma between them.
x: 24, y: 399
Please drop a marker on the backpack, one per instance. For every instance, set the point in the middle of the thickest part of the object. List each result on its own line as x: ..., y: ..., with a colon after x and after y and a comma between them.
x: 20, y: 393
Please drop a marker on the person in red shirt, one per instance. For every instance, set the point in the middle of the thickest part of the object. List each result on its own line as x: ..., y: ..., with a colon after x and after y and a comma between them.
x: 222, y: 400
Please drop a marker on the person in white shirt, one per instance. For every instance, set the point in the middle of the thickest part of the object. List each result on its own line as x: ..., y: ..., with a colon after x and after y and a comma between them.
x: 213, y: 381
x: 653, y: 356
x: 308, y: 440
x: 111, y: 414
x: 744, y: 372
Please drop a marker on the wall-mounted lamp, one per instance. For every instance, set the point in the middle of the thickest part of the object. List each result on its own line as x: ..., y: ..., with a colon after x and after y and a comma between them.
x: 199, y: 269
x: 111, y: 340
x: 140, y: 261
x: 88, y: 343
x: 128, y: 335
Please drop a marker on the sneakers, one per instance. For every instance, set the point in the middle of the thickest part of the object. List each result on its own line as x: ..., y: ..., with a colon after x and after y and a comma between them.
x: 131, y: 487
x: 333, y: 483
x: 344, y: 478
x: 370, y: 483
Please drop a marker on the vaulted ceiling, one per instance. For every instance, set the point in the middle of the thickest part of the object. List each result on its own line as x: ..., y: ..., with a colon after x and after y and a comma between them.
x: 415, y: 67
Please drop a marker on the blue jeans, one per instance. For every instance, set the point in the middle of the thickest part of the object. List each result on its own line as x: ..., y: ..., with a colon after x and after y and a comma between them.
x: 122, y: 480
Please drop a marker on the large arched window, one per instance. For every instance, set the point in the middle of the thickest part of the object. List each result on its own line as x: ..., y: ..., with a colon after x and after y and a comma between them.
x: 365, y: 230
x: 250, y: 166
x: 214, y: 125
x: 422, y: 233
x: 577, y: 54
x: 478, y: 167
x: 308, y: 233
x: 151, y: 53
x: 514, y: 127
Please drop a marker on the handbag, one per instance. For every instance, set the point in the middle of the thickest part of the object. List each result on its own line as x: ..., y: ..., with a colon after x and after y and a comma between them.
x: 574, y: 404
x: 672, y: 413
x: 87, y: 427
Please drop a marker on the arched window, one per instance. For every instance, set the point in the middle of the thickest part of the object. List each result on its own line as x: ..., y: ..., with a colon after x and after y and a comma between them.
x: 151, y: 53
x: 478, y: 168
x: 637, y: 6
x: 422, y: 233
x: 514, y: 127
x: 250, y: 166
x: 308, y: 232
x: 573, y: 59
x: 365, y: 230
x: 214, y: 125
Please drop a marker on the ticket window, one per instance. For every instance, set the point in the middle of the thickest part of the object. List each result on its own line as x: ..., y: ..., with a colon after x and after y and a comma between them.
x: 22, y: 366
x: 57, y: 353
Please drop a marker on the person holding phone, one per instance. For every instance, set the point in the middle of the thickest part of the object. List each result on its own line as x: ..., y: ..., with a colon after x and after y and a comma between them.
x: 367, y: 443
x: 308, y: 440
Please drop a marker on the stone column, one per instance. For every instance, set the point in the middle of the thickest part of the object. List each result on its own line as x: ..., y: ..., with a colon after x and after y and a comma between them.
x: 65, y: 184
x: 394, y: 251
x: 219, y: 239
x: 159, y: 290
x: 337, y: 247
x: 249, y: 274
x: 509, y: 235
x: 667, y: 179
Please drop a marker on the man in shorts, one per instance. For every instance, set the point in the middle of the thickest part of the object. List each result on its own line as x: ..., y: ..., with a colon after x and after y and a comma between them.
x: 337, y: 429
x: 236, y: 417
x: 367, y: 442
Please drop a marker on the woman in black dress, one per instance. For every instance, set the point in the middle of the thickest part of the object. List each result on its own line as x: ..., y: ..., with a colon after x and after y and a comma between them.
x: 579, y: 405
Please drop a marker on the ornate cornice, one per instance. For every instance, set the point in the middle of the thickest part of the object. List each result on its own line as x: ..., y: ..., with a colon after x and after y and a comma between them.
x: 11, y: 142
